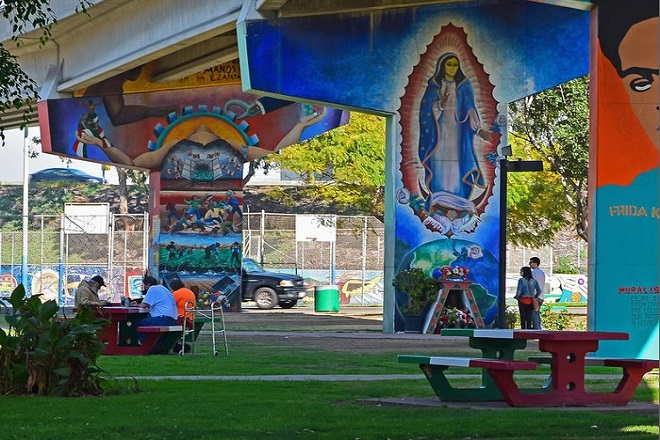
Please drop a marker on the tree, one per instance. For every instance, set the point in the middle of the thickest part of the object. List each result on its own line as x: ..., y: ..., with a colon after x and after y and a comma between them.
x: 139, y: 178
x: 552, y: 125
x: 536, y: 206
x: 344, y: 166
x: 17, y: 90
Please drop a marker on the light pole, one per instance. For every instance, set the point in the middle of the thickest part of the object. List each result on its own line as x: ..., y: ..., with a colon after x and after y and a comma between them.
x: 506, y: 167
x: 24, y: 257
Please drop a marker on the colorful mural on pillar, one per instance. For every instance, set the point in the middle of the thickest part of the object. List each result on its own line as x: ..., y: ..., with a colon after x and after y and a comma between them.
x: 624, y: 291
x: 195, y: 135
x: 450, y: 134
x: 446, y: 73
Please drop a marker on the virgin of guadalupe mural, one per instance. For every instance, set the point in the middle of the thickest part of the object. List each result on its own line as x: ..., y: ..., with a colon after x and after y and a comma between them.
x: 446, y: 118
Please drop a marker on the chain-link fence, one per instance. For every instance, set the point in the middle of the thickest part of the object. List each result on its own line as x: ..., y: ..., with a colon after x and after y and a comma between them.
x: 61, y: 252
x: 355, y: 261
x: 271, y: 240
x: 58, y: 257
x: 566, y: 255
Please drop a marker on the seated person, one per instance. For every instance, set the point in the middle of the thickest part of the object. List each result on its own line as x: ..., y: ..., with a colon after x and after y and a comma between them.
x: 87, y: 292
x: 160, y: 302
x: 185, y: 298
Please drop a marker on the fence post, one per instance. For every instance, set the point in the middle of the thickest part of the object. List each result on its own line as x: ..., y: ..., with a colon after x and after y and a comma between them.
x: 60, y: 267
x: 145, y: 239
x: 364, y: 258
x: 111, y: 252
x: 262, y: 233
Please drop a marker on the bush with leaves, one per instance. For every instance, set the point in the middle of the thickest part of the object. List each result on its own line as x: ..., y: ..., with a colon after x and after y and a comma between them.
x: 550, y: 320
x: 554, y: 320
x: 419, y: 287
x: 45, y: 355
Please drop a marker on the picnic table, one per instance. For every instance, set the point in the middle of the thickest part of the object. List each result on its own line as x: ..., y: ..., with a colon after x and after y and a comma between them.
x: 120, y: 336
x: 568, y: 357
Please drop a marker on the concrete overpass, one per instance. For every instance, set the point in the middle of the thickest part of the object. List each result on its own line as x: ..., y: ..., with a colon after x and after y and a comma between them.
x: 117, y: 35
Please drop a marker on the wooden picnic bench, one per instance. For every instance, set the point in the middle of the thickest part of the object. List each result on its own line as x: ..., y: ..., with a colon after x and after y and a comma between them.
x: 568, y: 356
x: 160, y: 338
x: 633, y: 370
x: 120, y: 335
x: 434, y: 368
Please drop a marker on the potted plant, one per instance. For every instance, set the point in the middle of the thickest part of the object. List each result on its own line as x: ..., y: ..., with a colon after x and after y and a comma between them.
x: 419, y: 290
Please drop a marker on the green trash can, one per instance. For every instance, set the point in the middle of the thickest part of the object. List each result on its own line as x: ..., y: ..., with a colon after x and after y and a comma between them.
x: 326, y: 298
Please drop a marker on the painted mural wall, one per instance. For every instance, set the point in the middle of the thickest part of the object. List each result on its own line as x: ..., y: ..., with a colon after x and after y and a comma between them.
x: 624, y: 180
x: 195, y: 136
x: 59, y: 282
x: 446, y: 73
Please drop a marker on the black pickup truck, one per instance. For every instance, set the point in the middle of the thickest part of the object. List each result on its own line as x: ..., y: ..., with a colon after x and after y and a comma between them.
x: 268, y: 289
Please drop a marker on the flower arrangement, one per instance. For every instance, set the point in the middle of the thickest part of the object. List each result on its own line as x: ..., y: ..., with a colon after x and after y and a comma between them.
x: 456, y: 318
x: 459, y: 273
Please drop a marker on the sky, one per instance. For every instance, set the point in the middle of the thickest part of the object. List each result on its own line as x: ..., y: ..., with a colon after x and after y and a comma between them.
x: 11, y: 155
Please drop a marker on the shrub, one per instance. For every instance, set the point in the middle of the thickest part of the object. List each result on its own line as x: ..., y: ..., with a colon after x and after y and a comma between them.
x: 551, y: 320
x: 44, y: 355
x: 419, y: 287
x: 565, y: 265
x: 512, y: 318
x: 554, y: 320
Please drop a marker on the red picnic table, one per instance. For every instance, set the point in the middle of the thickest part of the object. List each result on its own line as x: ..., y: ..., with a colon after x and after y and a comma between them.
x: 120, y: 336
x: 568, y: 356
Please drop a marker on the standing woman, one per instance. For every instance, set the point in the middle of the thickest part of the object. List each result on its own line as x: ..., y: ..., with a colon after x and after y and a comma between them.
x: 527, y: 289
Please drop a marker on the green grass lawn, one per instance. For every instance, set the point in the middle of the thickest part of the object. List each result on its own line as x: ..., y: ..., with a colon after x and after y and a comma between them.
x: 200, y: 409
x: 298, y: 410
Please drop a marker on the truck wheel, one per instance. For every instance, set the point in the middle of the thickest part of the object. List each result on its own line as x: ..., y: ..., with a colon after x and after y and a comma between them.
x: 265, y: 297
x: 288, y: 304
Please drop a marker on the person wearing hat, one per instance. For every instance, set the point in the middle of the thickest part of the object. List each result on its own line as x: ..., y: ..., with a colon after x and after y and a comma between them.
x: 87, y: 292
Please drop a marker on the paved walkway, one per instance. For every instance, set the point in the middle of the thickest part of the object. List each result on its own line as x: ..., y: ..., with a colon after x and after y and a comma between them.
x: 347, y: 377
x: 432, y: 401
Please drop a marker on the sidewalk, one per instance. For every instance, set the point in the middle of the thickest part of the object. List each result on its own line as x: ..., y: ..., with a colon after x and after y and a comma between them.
x: 414, y: 401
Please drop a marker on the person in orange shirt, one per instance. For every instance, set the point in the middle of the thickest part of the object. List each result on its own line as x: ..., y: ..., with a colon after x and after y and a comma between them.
x: 184, y: 297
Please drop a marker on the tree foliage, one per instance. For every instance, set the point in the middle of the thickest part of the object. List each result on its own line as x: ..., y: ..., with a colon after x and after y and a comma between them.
x: 552, y: 125
x: 344, y: 166
x: 536, y: 206
x: 17, y: 90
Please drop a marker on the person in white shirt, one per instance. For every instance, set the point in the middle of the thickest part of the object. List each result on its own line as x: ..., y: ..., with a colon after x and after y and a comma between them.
x: 539, y: 276
x: 161, y: 304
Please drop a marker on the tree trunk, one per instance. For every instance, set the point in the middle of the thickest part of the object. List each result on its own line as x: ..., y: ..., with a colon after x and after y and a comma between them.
x: 124, y: 222
x: 123, y: 191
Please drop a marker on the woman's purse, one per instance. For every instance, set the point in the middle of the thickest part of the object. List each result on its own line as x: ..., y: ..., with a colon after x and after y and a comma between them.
x: 535, y: 301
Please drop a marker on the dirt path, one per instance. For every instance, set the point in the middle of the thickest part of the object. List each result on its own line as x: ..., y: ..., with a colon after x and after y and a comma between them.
x: 350, y: 330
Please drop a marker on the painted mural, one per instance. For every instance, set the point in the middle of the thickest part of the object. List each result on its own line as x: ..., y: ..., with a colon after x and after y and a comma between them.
x: 447, y: 179
x: 450, y: 134
x: 627, y: 209
x: 446, y: 72
x: 196, y: 134
x: 201, y: 237
x: 48, y: 279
